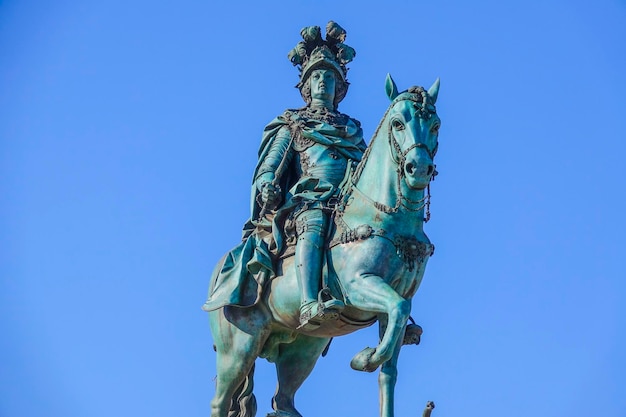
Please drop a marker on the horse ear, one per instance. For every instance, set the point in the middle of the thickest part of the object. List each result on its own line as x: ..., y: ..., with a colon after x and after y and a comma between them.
x: 390, y: 88
x: 433, y: 91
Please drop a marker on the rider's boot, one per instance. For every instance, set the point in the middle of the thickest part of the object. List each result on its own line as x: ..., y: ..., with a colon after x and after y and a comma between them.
x: 315, y: 306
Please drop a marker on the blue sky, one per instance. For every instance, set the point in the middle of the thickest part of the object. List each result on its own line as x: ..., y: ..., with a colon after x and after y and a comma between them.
x: 128, y: 136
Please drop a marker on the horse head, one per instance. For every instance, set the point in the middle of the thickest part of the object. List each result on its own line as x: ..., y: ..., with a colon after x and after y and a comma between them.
x: 403, y: 148
x: 413, y: 127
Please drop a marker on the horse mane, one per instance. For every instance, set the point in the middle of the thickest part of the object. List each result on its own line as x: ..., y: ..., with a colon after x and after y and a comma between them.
x: 359, y: 168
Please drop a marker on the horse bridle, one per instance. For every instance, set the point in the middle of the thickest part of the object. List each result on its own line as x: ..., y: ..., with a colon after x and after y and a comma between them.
x: 399, y: 158
x: 423, y: 110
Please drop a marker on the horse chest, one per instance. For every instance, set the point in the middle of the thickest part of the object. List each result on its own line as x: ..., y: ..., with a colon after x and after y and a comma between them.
x: 400, y: 262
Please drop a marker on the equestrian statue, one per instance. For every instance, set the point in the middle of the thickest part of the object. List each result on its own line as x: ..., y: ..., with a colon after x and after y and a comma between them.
x: 335, y: 239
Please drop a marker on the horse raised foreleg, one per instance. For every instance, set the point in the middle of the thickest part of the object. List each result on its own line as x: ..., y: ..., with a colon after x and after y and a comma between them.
x: 387, y: 378
x: 293, y: 365
x: 237, y: 342
x: 372, y: 293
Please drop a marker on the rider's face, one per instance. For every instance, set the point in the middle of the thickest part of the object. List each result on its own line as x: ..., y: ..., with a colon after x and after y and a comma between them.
x: 323, y: 84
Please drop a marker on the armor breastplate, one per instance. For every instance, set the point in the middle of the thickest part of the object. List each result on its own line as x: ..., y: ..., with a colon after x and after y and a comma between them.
x: 322, y: 162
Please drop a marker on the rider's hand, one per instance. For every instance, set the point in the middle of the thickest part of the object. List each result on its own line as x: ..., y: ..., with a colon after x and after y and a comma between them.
x: 270, y: 194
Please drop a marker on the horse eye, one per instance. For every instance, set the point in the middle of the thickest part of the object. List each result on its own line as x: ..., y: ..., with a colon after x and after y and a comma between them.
x: 397, y: 124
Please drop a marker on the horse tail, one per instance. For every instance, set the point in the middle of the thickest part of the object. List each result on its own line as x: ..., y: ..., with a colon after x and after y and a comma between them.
x: 244, y: 402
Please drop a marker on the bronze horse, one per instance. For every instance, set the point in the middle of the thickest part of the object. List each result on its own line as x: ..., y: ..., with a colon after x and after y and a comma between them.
x: 375, y: 262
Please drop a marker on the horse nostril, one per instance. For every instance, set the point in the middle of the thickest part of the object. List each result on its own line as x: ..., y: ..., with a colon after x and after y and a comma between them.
x: 431, y: 168
x: 410, y: 168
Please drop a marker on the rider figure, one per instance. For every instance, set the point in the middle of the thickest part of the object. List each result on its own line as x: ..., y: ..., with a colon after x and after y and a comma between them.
x: 312, y: 148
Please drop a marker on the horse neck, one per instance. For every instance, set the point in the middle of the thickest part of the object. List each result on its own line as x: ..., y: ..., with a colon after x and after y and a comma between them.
x: 377, y: 185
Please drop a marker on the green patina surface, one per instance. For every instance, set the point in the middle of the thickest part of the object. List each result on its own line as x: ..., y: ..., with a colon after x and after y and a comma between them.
x: 335, y: 239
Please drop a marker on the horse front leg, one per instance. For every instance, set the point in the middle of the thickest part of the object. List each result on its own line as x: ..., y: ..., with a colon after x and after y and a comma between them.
x: 372, y: 293
x: 387, y: 377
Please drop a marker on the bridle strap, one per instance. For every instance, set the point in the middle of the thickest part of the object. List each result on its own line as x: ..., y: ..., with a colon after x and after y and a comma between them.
x: 399, y: 158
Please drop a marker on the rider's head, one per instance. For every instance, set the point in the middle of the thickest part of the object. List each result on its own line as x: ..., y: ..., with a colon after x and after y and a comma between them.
x: 324, y: 84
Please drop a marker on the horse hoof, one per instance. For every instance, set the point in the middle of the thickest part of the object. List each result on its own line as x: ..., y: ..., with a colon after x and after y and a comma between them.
x: 412, y: 335
x: 361, y: 361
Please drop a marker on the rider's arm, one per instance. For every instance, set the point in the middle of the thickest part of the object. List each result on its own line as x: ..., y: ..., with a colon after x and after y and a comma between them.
x: 279, y: 150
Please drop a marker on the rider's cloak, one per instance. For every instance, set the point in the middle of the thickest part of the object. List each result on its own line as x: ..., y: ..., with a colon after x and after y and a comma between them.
x: 263, y: 242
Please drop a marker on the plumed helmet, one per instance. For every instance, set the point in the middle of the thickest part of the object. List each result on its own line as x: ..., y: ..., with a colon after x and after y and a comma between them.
x: 313, y: 53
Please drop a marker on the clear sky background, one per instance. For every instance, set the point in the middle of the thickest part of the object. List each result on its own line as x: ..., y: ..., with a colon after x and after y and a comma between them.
x: 128, y: 136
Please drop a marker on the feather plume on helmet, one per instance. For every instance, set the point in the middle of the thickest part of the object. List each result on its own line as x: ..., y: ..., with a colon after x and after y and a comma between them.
x: 313, y: 53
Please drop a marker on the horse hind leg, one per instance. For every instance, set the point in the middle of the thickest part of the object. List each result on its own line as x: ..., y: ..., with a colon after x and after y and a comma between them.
x: 294, y: 364
x: 243, y: 401
x: 237, y: 346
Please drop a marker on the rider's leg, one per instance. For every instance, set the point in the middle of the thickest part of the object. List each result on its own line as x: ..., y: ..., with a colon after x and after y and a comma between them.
x: 311, y: 226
